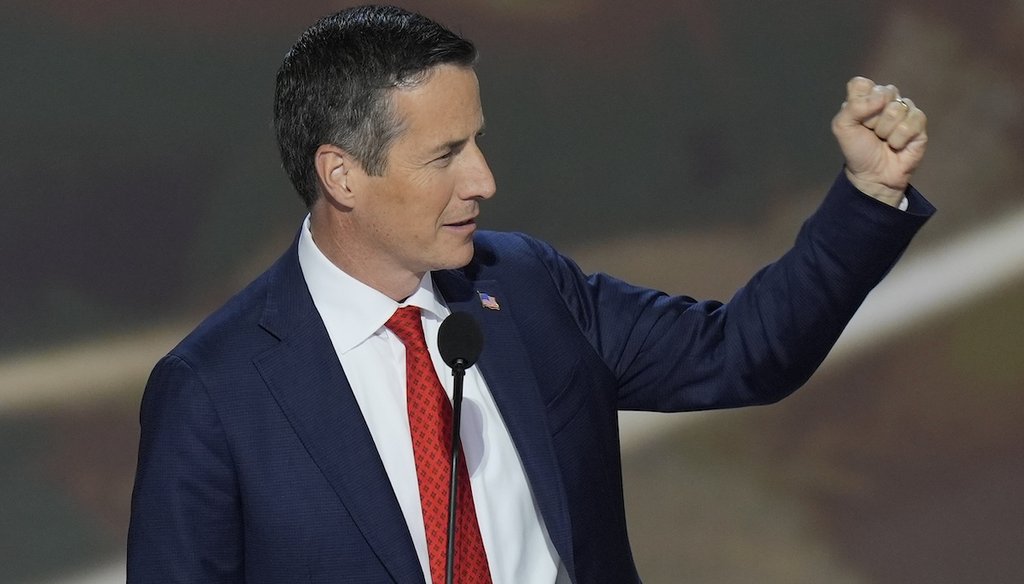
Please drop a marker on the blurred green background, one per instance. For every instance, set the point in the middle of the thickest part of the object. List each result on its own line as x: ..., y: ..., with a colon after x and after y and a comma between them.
x: 674, y: 143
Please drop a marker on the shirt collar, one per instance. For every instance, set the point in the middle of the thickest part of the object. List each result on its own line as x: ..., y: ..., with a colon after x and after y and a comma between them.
x: 351, y: 310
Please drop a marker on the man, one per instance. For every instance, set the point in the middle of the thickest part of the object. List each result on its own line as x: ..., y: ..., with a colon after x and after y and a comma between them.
x: 293, y: 437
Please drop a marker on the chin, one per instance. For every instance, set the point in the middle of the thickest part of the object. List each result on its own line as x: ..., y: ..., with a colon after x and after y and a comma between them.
x: 457, y: 258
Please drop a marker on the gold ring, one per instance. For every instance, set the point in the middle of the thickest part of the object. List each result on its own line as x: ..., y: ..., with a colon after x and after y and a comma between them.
x: 900, y: 101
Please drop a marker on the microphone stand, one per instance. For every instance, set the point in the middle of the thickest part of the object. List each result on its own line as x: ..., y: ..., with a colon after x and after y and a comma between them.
x: 459, y: 341
x: 458, y: 372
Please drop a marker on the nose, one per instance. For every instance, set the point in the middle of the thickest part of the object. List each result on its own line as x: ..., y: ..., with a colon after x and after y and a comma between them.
x: 478, y: 181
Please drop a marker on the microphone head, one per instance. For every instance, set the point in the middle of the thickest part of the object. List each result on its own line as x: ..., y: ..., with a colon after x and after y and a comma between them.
x: 459, y: 340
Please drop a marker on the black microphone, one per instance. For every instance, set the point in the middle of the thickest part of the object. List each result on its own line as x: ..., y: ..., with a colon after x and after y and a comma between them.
x: 459, y: 341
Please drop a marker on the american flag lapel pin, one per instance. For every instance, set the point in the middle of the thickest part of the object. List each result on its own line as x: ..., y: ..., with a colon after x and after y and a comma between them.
x: 488, y: 301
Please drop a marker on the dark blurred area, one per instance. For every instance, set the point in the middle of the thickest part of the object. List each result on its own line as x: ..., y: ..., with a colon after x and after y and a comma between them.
x: 677, y: 144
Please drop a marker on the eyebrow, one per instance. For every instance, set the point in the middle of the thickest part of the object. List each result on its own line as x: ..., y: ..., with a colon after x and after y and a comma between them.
x: 455, y: 144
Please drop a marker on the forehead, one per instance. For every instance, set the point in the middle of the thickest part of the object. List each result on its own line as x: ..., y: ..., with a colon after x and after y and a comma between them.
x: 444, y: 104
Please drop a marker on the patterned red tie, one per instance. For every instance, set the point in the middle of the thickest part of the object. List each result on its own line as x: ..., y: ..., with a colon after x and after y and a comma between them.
x: 430, y: 422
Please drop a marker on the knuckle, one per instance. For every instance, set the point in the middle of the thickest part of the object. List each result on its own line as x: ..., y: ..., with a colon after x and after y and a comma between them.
x: 895, y: 110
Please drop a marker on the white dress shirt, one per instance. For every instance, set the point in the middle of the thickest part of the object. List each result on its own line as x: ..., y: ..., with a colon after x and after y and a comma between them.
x: 513, y: 532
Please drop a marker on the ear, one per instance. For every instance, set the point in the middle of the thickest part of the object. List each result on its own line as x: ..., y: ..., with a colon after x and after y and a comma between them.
x: 333, y: 165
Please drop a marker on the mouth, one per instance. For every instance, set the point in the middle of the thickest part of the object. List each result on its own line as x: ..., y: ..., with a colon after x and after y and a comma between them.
x: 464, y: 223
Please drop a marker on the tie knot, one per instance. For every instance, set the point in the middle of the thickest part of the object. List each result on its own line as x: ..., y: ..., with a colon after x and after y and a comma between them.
x: 405, y: 323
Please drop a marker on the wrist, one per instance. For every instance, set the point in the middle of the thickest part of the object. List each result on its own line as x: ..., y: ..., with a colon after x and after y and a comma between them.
x: 888, y: 195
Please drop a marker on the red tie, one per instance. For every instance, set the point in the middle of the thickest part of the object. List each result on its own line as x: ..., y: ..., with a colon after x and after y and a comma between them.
x: 430, y: 422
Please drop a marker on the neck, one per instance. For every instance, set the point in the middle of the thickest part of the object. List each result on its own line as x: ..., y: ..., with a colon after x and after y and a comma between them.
x: 362, y: 264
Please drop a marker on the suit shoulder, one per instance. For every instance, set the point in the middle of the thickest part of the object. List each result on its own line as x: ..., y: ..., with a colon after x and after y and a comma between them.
x: 233, y: 327
x: 509, y: 250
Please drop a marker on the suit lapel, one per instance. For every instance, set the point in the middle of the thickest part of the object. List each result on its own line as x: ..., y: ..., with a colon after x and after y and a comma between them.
x: 306, y: 378
x: 509, y: 374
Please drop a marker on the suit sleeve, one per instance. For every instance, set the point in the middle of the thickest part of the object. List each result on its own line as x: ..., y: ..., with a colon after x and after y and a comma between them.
x: 186, y: 518
x: 673, y: 353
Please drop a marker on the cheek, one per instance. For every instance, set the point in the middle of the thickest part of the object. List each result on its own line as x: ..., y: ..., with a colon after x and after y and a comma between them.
x: 416, y: 210
x: 413, y: 223
x: 432, y: 208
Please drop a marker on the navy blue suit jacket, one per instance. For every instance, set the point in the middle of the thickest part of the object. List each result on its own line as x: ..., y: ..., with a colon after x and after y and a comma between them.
x: 256, y: 465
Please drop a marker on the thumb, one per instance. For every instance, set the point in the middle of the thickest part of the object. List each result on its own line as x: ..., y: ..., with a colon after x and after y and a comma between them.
x: 864, y: 101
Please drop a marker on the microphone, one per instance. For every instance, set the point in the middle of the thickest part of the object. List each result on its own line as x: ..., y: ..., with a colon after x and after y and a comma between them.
x: 459, y: 341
